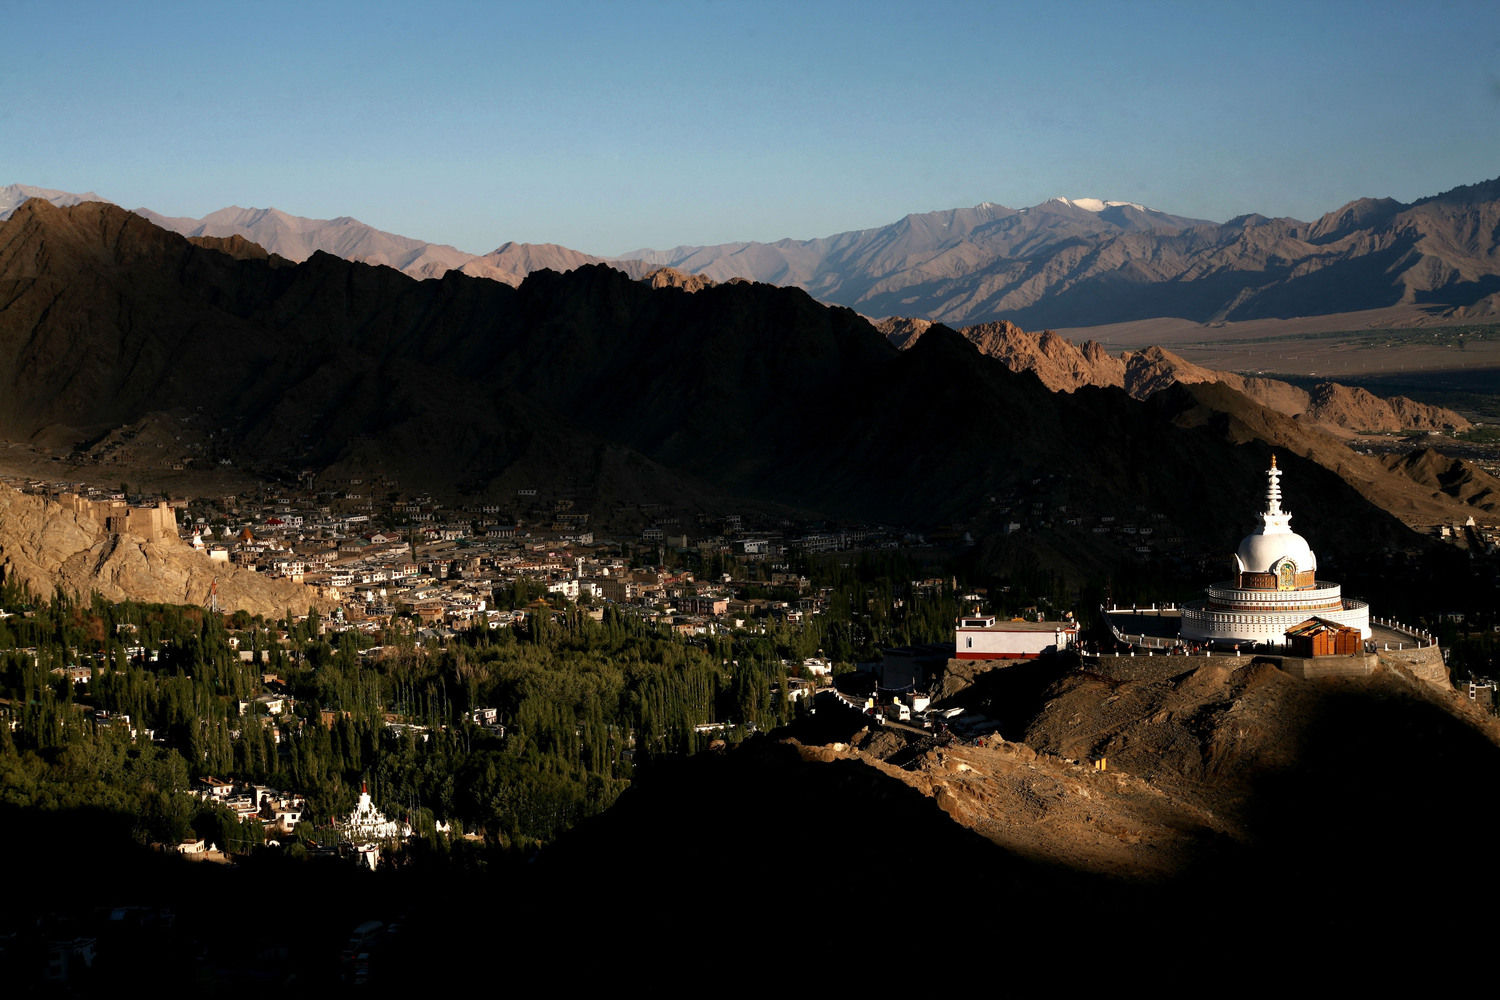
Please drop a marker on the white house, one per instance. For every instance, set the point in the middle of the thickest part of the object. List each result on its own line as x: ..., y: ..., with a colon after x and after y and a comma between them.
x: 982, y: 637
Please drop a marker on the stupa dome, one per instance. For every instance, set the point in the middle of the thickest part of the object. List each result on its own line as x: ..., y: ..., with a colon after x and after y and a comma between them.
x: 1274, y: 543
x: 1262, y: 552
x: 1276, y: 588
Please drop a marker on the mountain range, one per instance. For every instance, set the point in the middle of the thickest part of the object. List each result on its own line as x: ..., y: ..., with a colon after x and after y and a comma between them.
x: 1064, y: 263
x: 611, y: 392
x: 297, y: 238
x: 1085, y: 263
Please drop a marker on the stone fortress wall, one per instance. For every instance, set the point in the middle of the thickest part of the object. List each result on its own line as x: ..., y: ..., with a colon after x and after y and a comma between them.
x: 154, y: 524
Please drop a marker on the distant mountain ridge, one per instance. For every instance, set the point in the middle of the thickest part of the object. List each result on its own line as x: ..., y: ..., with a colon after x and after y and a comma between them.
x: 1064, y: 263
x: 1086, y: 262
x: 868, y: 268
x: 296, y: 238
x: 13, y: 196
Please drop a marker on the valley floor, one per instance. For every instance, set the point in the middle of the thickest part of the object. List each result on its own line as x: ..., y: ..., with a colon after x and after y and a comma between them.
x: 1402, y: 339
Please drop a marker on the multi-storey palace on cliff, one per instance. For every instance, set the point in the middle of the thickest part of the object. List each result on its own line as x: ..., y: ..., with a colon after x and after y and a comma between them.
x: 155, y: 524
x: 1275, y: 587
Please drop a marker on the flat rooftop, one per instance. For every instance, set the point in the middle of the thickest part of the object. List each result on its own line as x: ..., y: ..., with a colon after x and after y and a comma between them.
x: 1017, y: 626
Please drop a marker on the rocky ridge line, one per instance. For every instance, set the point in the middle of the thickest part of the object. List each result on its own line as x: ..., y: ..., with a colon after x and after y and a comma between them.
x: 1064, y: 366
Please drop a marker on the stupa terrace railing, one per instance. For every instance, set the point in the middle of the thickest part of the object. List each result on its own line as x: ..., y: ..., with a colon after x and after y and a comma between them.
x: 1325, y: 595
x: 1422, y: 637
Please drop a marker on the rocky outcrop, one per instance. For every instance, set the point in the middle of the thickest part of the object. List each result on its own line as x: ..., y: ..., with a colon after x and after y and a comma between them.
x: 1356, y: 409
x: 1064, y: 366
x: 670, y: 277
x: 1452, y: 477
x: 902, y: 331
x: 237, y: 247
x: 1149, y: 371
x: 1045, y: 807
x: 1058, y: 362
x: 48, y: 546
x: 1137, y: 771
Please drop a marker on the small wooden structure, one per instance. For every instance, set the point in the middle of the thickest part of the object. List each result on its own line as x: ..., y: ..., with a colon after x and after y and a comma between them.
x: 1321, y: 637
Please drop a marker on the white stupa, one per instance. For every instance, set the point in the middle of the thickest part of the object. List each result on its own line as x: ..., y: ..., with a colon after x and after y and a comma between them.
x: 367, y: 828
x: 1275, y: 586
x: 368, y: 823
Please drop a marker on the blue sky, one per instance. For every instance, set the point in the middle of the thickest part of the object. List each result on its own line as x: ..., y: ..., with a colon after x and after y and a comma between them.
x: 609, y: 127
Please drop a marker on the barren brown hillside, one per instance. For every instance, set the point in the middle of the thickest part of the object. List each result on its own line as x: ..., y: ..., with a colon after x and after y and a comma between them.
x: 1240, y: 804
x: 1450, y: 477
x: 1064, y: 366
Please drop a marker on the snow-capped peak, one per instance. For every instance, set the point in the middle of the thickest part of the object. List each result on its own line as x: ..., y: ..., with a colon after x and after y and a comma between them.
x: 1096, y: 205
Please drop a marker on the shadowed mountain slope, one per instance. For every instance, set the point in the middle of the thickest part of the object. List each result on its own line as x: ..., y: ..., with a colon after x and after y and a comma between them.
x: 734, y: 391
x: 1240, y: 803
x: 1064, y: 366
